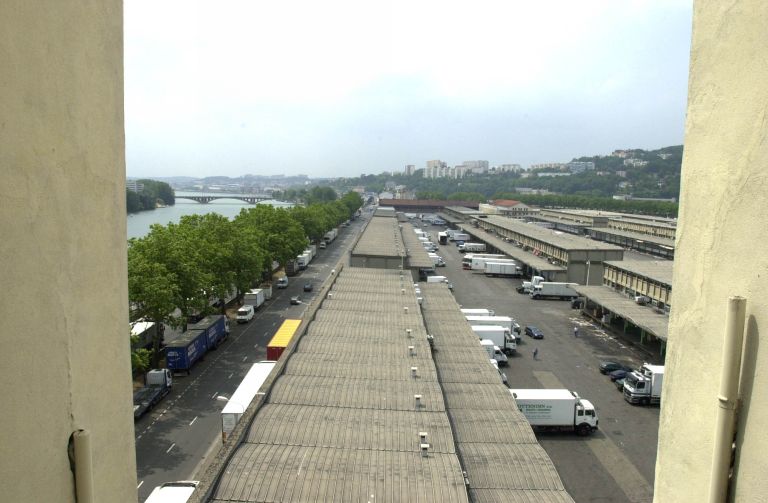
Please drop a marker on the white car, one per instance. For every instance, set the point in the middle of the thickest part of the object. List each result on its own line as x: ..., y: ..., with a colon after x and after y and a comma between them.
x: 245, y: 313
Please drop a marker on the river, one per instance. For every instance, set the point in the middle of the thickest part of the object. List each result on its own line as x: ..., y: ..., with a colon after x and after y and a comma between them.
x: 139, y: 223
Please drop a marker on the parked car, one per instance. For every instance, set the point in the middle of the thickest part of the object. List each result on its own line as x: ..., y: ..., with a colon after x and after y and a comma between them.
x: 282, y: 282
x: 534, y: 332
x: 618, y: 374
x: 308, y: 286
x: 520, y: 289
x: 619, y: 383
x: 295, y: 300
x: 606, y: 367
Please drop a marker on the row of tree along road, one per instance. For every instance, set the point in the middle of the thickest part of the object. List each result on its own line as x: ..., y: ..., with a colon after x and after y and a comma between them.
x: 178, y: 269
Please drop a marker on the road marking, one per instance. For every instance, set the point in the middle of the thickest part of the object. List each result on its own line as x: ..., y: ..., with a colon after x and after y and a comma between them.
x: 171, y: 447
x: 620, y: 468
x: 230, y: 375
x: 215, y: 395
x: 193, y: 421
x: 245, y: 358
x: 140, y: 484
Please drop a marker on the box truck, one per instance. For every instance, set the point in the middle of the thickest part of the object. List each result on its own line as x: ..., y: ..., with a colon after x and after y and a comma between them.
x: 460, y: 236
x: 505, y: 321
x: 255, y: 298
x: 556, y: 409
x: 442, y: 238
x: 494, y: 352
x: 436, y: 259
x: 643, y: 386
x: 505, y: 269
x: 183, y: 350
x: 466, y: 260
x: 554, y: 290
x: 527, y: 286
x: 471, y: 247
x: 437, y: 279
x: 500, y: 336
x: 173, y: 492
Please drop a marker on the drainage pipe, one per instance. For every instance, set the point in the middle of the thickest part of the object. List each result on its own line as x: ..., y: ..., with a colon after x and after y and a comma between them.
x: 727, y: 399
x: 83, y: 467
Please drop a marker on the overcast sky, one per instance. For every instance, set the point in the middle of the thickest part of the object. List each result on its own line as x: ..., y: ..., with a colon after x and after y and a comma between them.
x: 329, y: 88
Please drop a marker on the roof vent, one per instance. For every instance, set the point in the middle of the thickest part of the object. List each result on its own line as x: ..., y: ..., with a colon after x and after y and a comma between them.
x: 423, y: 437
x: 419, y: 300
x: 408, y: 332
x: 330, y: 295
x: 405, y: 310
x: 417, y: 398
x: 424, y: 450
x: 402, y: 291
x: 411, y: 351
x: 414, y: 372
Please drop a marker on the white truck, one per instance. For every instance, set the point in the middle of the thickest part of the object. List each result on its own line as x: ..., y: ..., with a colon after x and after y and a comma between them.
x: 500, y: 336
x: 437, y: 260
x: 471, y: 247
x: 459, y: 236
x: 643, y: 386
x: 478, y: 312
x: 527, y: 286
x: 505, y: 321
x: 303, y: 260
x: 554, y: 290
x: 254, y: 298
x: 466, y: 260
x: 243, y: 396
x: 330, y: 236
x: 494, y: 352
x: 479, y: 260
x: 505, y: 269
x: 556, y: 410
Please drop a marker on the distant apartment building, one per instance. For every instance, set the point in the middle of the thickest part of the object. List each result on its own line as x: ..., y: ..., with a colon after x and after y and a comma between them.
x: 134, y: 186
x: 552, y: 174
x: 622, y: 174
x: 475, y: 167
x: 665, y: 156
x: 508, y: 168
x: 548, y: 165
x: 580, y: 166
x: 435, y: 169
x: 638, y: 163
x: 410, y: 169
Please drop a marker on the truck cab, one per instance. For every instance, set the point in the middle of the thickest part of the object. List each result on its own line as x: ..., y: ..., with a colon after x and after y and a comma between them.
x: 643, y: 386
x: 494, y: 352
x: 282, y: 283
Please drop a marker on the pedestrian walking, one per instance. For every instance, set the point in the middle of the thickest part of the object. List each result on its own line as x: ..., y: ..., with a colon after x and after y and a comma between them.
x: 536, y: 353
x: 575, y: 331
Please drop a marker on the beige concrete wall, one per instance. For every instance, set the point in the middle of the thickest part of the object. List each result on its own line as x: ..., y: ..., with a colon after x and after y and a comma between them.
x: 64, y: 348
x: 721, y: 251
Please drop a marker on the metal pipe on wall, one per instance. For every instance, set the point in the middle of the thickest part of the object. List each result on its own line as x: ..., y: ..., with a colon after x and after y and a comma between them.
x: 83, y: 466
x: 727, y: 398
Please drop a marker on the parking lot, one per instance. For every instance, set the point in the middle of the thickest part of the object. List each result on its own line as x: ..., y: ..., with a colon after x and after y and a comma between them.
x: 617, y: 462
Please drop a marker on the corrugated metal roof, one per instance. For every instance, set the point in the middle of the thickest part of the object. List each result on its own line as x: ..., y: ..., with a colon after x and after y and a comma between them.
x: 381, y: 238
x: 509, y: 466
x: 271, y: 473
x: 657, y: 270
x: 340, y: 365
x: 360, y: 393
x: 478, y: 372
x: 284, y: 334
x: 371, y: 332
x: 372, y: 295
x: 569, y: 242
x: 472, y: 352
x: 373, y: 306
x: 477, y: 396
x: 365, y: 352
x: 642, y: 316
x: 347, y: 428
x: 396, y: 319
x: 477, y: 426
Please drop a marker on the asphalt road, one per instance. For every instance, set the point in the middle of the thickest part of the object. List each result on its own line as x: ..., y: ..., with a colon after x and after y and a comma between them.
x: 174, y: 441
x: 616, y: 463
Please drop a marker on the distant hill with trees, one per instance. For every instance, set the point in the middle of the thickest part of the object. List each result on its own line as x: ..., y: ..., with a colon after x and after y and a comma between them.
x: 150, y: 196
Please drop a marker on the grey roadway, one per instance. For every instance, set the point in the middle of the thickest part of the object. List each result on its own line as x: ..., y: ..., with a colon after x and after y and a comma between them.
x: 174, y: 441
x: 616, y: 464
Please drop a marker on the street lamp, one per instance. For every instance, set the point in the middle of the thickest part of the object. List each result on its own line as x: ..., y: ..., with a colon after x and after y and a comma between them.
x: 587, y: 282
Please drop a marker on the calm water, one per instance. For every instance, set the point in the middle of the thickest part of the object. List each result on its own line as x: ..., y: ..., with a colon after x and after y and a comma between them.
x: 139, y: 223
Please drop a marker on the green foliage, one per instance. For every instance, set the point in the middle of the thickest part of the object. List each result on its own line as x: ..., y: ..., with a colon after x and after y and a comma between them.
x: 283, y: 236
x: 154, y: 192
x: 141, y: 360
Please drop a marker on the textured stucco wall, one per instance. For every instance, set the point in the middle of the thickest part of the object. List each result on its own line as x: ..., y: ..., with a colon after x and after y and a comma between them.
x: 64, y: 351
x: 721, y: 251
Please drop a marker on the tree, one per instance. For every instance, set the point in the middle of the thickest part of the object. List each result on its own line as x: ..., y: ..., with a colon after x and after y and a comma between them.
x: 284, y: 237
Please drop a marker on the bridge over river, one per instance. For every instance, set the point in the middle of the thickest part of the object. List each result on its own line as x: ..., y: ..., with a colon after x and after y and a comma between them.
x: 207, y: 198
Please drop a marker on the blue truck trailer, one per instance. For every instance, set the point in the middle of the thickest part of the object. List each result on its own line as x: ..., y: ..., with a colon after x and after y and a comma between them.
x: 184, y: 350
x: 215, y: 327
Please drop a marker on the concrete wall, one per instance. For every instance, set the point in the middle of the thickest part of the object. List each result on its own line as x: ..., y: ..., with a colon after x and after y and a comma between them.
x: 64, y: 347
x: 720, y: 252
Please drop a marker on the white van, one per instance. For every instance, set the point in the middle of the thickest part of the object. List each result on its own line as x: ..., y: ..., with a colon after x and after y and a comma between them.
x: 282, y: 282
x: 245, y: 313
